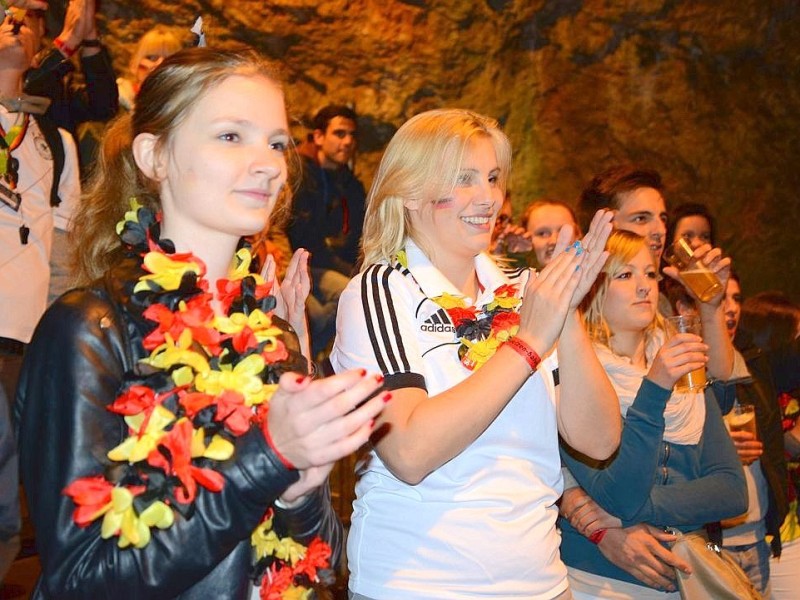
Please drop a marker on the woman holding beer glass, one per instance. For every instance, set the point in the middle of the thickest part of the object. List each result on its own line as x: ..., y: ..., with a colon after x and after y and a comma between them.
x: 613, y: 532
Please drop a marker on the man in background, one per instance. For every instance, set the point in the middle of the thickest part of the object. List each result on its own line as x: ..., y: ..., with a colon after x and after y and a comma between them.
x: 328, y: 216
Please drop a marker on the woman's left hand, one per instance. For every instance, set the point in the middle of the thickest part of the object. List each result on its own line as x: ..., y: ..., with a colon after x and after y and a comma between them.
x: 713, y: 260
x: 292, y: 293
x: 593, y: 246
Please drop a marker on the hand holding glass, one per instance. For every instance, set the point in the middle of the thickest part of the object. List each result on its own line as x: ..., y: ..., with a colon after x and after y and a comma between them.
x: 693, y: 381
x: 742, y: 418
x: 695, y: 275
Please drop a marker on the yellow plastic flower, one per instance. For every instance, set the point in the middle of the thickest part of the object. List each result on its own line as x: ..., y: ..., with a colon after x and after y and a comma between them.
x: 165, y: 272
x: 402, y: 258
x: 240, y: 268
x: 243, y: 378
x: 130, y: 215
x: 267, y: 543
x: 449, y: 301
x: 296, y: 593
x: 503, y: 302
x: 137, y: 446
x: 258, y: 321
x: 479, y: 352
x: 218, y: 449
x: 792, y: 407
x: 133, y: 530
x: 171, y: 353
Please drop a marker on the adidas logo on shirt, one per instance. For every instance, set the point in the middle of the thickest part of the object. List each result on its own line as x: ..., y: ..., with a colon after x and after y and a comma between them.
x: 438, y: 322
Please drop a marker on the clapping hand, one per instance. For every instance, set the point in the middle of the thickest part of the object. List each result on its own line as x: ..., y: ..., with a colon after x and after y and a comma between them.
x: 291, y: 294
x: 592, y: 246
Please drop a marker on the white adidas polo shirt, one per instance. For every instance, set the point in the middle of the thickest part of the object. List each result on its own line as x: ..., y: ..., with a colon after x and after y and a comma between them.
x: 483, y: 524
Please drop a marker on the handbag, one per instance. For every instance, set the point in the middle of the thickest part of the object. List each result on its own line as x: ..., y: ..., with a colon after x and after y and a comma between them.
x: 715, y: 575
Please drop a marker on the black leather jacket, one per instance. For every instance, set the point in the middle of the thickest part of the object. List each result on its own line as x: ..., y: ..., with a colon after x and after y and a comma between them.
x: 73, y: 368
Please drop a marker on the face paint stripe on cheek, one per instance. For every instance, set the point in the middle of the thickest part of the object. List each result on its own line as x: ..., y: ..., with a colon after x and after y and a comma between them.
x: 442, y: 203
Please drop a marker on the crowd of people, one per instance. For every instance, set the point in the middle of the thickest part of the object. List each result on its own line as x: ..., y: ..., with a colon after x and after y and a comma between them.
x: 180, y: 400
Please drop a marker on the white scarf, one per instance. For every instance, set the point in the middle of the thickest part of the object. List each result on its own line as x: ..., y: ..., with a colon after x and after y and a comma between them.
x: 684, y: 415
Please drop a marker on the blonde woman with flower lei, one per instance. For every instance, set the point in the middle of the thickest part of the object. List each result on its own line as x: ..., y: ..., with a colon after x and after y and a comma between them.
x: 172, y: 443
x: 457, y: 498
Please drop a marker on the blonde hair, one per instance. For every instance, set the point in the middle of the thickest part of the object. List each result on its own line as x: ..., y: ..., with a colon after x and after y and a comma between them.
x: 622, y: 246
x: 167, y: 96
x: 158, y: 41
x: 422, y: 162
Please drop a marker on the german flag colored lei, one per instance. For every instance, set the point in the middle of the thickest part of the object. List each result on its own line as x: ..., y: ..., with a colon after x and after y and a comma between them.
x: 482, y: 330
x: 207, y: 380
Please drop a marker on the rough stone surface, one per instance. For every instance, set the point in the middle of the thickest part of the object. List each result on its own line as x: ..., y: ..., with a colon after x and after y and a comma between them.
x: 705, y: 91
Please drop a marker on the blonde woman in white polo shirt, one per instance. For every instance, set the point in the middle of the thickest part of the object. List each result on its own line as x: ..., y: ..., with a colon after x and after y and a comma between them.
x: 457, y: 498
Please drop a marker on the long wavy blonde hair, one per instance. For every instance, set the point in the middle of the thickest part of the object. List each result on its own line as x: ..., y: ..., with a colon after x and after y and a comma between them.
x: 622, y: 246
x: 422, y: 162
x: 167, y: 96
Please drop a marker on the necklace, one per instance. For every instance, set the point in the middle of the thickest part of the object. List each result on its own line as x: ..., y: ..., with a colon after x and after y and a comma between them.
x: 207, y: 380
x: 9, y: 165
x: 482, y: 330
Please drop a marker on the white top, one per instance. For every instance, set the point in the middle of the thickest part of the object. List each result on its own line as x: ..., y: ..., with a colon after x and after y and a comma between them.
x: 483, y: 524
x: 24, y: 268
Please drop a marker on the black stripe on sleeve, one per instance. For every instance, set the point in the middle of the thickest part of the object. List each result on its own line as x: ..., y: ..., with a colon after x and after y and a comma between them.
x: 396, y: 381
x: 382, y: 325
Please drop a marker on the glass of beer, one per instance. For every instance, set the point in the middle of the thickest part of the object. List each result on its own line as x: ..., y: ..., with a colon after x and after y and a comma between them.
x: 694, y: 381
x: 742, y: 418
x: 695, y: 275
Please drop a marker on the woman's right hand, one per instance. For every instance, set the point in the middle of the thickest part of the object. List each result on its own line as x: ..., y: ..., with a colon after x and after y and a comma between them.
x: 547, y: 301
x: 639, y: 550
x: 681, y: 354
x: 315, y: 423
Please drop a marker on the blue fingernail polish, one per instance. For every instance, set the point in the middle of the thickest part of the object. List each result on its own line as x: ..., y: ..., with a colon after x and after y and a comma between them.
x: 577, y: 267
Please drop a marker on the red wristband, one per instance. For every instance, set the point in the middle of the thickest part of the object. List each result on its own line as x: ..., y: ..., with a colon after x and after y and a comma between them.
x: 63, y: 48
x: 598, y: 536
x: 526, y: 352
x: 285, y: 461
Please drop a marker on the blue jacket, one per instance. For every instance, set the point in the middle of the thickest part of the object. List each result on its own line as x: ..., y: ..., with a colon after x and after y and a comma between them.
x: 653, y: 481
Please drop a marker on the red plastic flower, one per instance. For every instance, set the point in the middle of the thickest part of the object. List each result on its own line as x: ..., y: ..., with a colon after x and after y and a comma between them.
x: 92, y: 498
x: 196, y: 315
x: 178, y: 443
x: 459, y: 315
x: 276, y: 581
x: 194, y: 402
x: 274, y: 353
x: 232, y: 410
x: 134, y: 400
x: 504, y: 321
x: 317, y: 556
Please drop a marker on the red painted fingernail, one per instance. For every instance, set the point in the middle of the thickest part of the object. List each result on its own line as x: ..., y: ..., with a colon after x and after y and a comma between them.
x: 301, y: 379
x: 379, y: 378
x: 386, y: 397
x: 362, y: 372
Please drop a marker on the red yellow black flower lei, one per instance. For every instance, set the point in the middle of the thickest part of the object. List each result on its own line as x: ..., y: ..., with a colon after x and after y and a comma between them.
x: 207, y: 380
x: 790, y: 412
x: 482, y: 330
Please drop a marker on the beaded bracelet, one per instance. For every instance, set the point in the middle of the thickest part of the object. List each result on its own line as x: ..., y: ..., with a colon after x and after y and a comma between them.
x: 526, y: 352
